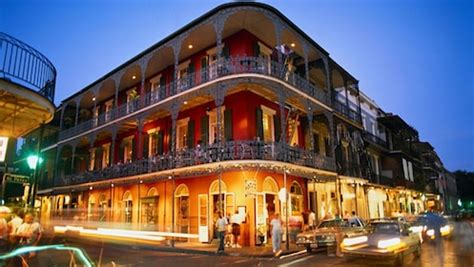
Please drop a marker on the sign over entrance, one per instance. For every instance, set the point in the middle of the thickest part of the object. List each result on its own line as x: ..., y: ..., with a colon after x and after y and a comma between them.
x: 16, y: 179
x: 3, y: 148
x: 250, y: 188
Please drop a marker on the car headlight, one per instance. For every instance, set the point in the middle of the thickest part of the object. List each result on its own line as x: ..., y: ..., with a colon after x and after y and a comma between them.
x: 416, y: 229
x: 388, y: 243
x: 430, y: 232
x: 445, y: 230
x: 354, y: 240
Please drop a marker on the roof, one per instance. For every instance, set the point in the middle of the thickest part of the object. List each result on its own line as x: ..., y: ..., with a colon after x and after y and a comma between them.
x: 395, y: 122
x: 199, y: 20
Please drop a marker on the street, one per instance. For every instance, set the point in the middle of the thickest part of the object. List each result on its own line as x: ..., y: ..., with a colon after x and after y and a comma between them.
x: 113, y: 255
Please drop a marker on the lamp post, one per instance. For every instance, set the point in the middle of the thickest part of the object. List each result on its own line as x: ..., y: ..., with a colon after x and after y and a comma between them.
x: 33, y: 162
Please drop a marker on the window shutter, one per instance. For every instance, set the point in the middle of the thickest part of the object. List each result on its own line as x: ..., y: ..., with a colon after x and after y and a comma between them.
x: 204, y: 68
x: 111, y: 152
x: 205, y: 129
x: 304, y: 129
x: 327, y: 145
x: 228, y: 124
x: 190, y: 74
x: 316, y: 143
x: 259, y: 123
x: 145, y: 145
x: 162, y: 87
x: 133, y: 148
x: 226, y: 51
x: 159, y: 142
x: 98, y: 158
x: 121, y: 152
x: 277, y: 127
x: 256, y: 49
x: 190, y: 134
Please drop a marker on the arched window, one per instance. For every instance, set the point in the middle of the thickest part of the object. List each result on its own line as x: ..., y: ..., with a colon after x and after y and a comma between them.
x: 127, y: 206
x: 103, y: 202
x: 296, y: 198
x: 181, y: 197
x: 152, y: 192
x: 269, y: 185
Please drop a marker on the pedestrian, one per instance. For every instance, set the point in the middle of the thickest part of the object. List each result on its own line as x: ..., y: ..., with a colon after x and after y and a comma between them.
x: 277, y: 230
x: 235, y: 221
x: 3, y: 229
x: 13, y: 224
x: 220, y: 228
x: 354, y: 220
x: 29, y: 234
x: 311, y: 220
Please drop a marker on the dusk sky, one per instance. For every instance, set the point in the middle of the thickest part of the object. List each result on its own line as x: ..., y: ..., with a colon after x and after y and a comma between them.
x: 414, y: 58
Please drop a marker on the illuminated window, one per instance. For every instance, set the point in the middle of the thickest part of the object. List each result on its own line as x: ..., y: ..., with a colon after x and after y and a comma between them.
x: 128, y: 207
x: 105, y: 155
x: 213, y: 125
x: 296, y: 199
x: 108, y: 109
x: 181, y: 133
x: 153, y: 142
x: 92, y: 159
x: 155, y: 87
x: 268, y: 125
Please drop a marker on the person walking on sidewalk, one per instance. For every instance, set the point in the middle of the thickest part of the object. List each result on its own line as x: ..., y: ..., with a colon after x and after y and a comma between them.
x: 275, y: 224
x: 221, y: 228
x: 235, y: 221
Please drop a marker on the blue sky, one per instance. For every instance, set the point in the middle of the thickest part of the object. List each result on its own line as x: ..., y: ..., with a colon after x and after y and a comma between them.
x: 414, y: 58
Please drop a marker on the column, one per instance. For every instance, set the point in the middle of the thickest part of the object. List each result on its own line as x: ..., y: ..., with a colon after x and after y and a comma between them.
x: 77, y: 114
x: 62, y: 118
x: 281, y: 103
x: 306, y: 64
x: 112, y: 146
x: 359, y: 109
x: 140, y: 138
x: 73, y: 157
x: 174, y: 116
x: 347, y: 97
x: 310, y: 129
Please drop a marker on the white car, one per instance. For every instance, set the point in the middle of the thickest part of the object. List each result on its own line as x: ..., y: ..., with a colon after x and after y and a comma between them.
x: 385, y: 239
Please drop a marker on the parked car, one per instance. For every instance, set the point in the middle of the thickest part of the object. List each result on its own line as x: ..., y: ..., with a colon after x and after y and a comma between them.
x: 385, y: 239
x: 325, y: 234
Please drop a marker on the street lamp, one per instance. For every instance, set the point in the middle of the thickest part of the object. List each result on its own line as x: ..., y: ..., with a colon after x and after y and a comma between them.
x: 33, y: 162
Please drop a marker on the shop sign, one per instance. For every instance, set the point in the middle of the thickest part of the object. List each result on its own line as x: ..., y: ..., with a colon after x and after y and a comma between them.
x: 250, y: 188
x: 3, y: 148
x: 16, y: 179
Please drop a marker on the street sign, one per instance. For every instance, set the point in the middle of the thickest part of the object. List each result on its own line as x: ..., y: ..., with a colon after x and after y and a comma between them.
x: 16, y: 179
x: 3, y: 148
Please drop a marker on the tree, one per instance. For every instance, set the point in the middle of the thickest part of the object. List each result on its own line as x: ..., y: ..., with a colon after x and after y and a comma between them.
x: 465, y: 186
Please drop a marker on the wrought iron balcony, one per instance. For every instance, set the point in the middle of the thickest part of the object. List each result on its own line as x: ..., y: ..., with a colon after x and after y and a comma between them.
x: 224, y: 67
x: 375, y: 139
x: 228, y: 151
x: 347, y: 112
x: 382, y: 179
x: 24, y: 65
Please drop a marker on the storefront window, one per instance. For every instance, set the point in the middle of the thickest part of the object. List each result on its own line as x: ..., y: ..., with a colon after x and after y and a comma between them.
x: 296, y: 198
x: 150, y: 209
x: 127, y: 206
x: 182, y: 208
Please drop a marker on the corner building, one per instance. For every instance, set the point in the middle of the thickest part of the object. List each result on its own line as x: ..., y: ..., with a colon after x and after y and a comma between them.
x: 220, y: 116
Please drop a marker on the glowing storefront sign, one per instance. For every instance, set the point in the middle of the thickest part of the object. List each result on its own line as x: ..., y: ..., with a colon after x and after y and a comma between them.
x: 3, y: 148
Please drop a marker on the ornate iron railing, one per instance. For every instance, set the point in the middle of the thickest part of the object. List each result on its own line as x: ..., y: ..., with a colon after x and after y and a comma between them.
x: 228, y: 151
x: 375, y: 139
x: 347, y: 112
x: 24, y: 65
x: 224, y: 67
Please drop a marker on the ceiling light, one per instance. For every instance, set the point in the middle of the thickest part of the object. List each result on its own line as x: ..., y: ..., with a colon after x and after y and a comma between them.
x: 190, y: 46
x: 185, y: 102
x: 93, y: 99
x: 134, y: 77
x: 292, y: 44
